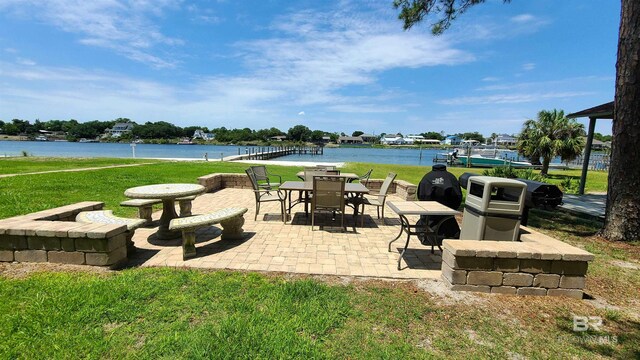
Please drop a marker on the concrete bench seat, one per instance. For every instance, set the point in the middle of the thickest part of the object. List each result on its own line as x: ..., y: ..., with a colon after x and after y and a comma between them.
x: 231, y: 220
x: 107, y: 217
x: 145, y: 206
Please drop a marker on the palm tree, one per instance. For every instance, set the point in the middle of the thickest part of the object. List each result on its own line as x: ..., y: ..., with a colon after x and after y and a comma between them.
x: 551, y: 135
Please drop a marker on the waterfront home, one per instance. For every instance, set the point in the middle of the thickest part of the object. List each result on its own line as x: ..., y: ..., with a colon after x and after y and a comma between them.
x: 350, y: 140
x: 200, y: 134
x: 119, y: 129
x: 452, y: 140
x: 278, y: 138
x: 431, y: 142
x: 598, y: 145
x: 393, y: 139
x: 505, y: 140
x: 368, y: 138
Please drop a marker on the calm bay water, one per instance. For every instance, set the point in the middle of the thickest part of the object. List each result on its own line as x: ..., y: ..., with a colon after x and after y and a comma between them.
x: 70, y: 149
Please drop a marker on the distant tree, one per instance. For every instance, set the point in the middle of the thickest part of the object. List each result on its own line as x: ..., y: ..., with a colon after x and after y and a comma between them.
x: 316, y: 135
x: 88, y: 130
x: 473, y: 136
x: 267, y: 134
x: 551, y: 135
x: 334, y: 137
x: 157, y: 130
x: 601, y: 137
x: 357, y: 133
x: 299, y: 133
x: 433, y: 135
x: 11, y: 129
x: 24, y: 127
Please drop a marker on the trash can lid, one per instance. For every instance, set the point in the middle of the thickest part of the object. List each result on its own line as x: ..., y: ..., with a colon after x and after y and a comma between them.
x: 439, y: 167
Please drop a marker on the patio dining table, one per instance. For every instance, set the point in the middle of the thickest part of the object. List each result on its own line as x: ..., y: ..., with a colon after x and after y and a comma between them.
x: 306, y: 187
x: 426, y: 208
x: 168, y: 193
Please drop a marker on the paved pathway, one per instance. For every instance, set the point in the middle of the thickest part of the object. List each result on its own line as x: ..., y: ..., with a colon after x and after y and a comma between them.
x: 589, y: 204
x: 271, y: 245
x: 74, y: 170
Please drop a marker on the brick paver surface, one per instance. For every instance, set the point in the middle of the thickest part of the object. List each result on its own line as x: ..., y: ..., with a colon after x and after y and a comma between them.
x: 271, y: 245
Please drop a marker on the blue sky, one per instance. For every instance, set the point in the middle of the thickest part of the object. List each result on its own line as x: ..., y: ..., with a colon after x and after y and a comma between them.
x: 329, y: 65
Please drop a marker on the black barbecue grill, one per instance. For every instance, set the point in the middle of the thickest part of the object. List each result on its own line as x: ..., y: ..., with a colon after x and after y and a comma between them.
x: 441, y: 186
x: 539, y: 195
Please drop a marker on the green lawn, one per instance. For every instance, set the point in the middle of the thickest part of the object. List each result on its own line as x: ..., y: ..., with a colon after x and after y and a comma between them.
x: 178, y: 313
x: 21, y: 165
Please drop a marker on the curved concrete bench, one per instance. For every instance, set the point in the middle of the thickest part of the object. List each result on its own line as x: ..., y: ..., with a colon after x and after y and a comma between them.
x: 231, y: 220
x: 145, y: 206
x: 107, y: 217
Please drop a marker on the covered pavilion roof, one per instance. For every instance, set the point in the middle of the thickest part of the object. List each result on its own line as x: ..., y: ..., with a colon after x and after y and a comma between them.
x: 604, y: 111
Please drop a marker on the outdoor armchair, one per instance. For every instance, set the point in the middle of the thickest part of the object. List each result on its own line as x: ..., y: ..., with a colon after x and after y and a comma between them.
x: 328, y: 195
x: 265, y: 195
x: 364, y: 179
x: 377, y: 200
x: 262, y: 176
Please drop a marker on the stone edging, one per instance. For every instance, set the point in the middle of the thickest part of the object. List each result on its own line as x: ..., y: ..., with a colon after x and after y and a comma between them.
x: 536, y: 265
x: 53, y: 236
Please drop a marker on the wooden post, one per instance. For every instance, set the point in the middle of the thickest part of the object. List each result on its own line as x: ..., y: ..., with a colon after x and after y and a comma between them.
x: 587, y: 154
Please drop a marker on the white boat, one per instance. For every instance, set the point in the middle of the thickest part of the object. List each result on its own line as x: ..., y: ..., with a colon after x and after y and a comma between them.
x: 185, y: 142
x: 41, y: 138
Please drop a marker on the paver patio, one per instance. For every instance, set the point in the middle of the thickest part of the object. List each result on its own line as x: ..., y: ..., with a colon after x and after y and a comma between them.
x: 271, y: 245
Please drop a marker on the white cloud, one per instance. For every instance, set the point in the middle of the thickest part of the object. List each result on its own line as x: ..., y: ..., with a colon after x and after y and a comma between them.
x: 491, y: 79
x: 528, y: 66
x: 27, y: 62
x: 511, y: 98
x: 523, y: 18
x: 125, y: 26
x: 301, y: 113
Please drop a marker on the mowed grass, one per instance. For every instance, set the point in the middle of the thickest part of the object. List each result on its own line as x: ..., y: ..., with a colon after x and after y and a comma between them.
x: 179, y: 313
x: 21, y: 165
x: 25, y: 194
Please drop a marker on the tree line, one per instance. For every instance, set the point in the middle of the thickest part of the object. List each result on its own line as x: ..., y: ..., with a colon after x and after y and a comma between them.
x: 75, y: 130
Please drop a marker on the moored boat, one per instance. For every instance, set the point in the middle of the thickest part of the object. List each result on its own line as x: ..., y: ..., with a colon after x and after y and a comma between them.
x: 185, y: 142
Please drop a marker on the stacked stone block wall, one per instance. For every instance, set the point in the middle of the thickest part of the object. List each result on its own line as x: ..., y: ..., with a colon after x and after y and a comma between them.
x: 537, y: 265
x: 53, y: 236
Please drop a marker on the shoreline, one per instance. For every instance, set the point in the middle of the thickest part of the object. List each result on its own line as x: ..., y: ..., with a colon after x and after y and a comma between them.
x: 263, y: 162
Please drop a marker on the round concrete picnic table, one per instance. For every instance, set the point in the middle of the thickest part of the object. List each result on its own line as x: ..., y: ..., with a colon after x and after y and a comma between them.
x: 168, y: 193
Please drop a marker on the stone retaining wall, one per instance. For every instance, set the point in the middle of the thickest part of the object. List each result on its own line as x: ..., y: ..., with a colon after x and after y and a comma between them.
x: 536, y: 265
x: 53, y: 236
x: 218, y: 181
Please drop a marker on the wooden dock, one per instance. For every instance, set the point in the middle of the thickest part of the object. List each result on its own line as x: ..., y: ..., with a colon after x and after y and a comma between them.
x: 270, y: 152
